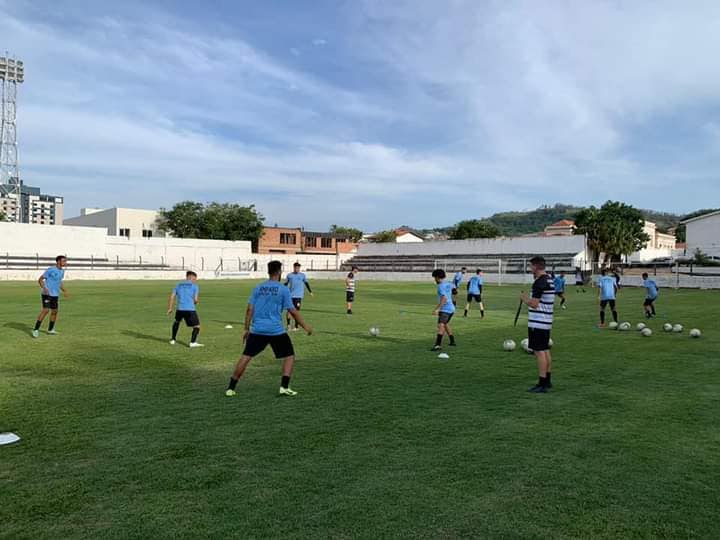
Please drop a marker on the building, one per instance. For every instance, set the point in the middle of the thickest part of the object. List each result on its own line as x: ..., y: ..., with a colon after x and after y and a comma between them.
x: 660, y: 246
x: 564, y: 227
x: 296, y: 240
x: 403, y: 235
x: 36, y: 207
x: 128, y: 222
x: 703, y: 233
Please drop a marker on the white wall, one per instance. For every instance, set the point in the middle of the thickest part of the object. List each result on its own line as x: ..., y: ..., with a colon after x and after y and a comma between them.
x: 408, y: 238
x: 705, y: 235
x: 537, y: 245
x: 22, y: 239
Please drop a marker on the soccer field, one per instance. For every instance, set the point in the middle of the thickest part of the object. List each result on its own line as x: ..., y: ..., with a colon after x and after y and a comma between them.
x: 124, y: 436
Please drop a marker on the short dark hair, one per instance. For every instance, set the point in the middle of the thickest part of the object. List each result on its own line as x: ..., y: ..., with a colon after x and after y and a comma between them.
x: 439, y: 273
x: 645, y: 275
x: 60, y: 258
x: 603, y: 271
x: 463, y: 268
x: 355, y: 267
x: 297, y: 263
x: 538, y: 261
x: 478, y: 271
x: 190, y: 273
x: 274, y: 267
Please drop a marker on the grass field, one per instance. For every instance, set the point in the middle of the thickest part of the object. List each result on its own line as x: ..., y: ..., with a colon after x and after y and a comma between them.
x: 124, y: 436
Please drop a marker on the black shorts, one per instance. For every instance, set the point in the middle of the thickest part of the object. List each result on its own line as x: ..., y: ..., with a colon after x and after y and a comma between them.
x: 280, y: 344
x: 49, y: 302
x: 538, y: 339
x: 190, y: 317
x: 454, y: 291
x: 476, y: 297
x: 649, y: 301
x: 297, y: 302
x: 604, y: 304
x: 349, y: 296
x: 579, y: 283
x: 444, y: 318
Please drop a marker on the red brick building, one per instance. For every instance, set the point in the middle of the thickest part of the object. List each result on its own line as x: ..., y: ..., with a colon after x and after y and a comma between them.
x: 295, y: 240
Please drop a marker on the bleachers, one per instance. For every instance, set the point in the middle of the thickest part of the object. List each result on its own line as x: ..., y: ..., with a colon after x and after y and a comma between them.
x: 37, y: 262
x: 514, y: 263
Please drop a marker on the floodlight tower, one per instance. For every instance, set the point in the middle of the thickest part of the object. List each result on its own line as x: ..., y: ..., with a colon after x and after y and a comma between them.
x: 12, y: 73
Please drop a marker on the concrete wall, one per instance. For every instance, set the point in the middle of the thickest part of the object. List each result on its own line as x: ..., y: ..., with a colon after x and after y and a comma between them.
x: 538, y: 245
x: 105, y: 219
x: 22, y: 239
x: 704, y: 234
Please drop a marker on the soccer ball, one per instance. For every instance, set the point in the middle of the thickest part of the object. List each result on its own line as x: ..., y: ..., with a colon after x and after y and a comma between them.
x: 641, y: 326
x: 667, y: 327
x: 624, y: 326
x: 678, y: 328
x: 374, y: 331
x: 525, y: 344
x: 646, y: 332
x: 509, y: 345
x: 695, y: 333
x: 613, y: 325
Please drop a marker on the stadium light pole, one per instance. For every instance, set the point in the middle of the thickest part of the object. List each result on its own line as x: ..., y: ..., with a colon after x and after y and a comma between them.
x: 12, y: 73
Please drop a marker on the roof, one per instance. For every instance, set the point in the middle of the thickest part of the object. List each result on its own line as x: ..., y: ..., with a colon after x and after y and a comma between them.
x: 404, y: 230
x: 563, y: 223
x: 696, y: 218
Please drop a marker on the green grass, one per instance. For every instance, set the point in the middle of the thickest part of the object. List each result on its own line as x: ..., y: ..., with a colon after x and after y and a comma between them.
x: 127, y: 437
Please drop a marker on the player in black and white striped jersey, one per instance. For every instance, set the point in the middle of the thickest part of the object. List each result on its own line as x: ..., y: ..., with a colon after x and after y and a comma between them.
x: 350, y: 289
x: 541, y: 304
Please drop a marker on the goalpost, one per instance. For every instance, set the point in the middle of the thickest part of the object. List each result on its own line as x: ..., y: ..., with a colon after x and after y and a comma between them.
x: 492, y: 267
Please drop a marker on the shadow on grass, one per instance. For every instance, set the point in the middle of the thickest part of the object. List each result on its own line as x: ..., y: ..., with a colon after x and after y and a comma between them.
x: 364, y: 336
x: 20, y: 327
x: 146, y: 337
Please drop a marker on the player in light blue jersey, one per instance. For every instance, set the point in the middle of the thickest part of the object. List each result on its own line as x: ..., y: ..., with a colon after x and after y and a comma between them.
x: 263, y: 327
x: 51, y: 283
x: 456, y: 283
x: 559, y: 282
x: 652, y: 294
x: 608, y: 288
x: 444, y: 310
x: 474, y: 288
x: 187, y: 295
x: 297, y: 282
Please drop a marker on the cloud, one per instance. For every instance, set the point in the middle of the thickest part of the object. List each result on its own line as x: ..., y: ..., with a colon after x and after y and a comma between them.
x: 319, y: 42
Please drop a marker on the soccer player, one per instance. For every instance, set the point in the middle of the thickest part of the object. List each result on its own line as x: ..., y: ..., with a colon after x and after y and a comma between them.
x: 187, y: 294
x: 457, y: 281
x: 350, y: 289
x: 263, y: 327
x: 51, y: 283
x: 297, y: 282
x: 559, y: 283
x: 608, y: 292
x: 444, y: 310
x: 540, y: 320
x: 579, y: 280
x: 652, y: 294
x: 474, y: 288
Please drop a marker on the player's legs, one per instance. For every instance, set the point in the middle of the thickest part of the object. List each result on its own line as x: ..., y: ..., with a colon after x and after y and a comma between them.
x: 539, y: 342
x: 283, y: 348
x: 561, y: 295
x: 614, y: 310
x: 468, y: 304
x: 53, y: 320
x: 195, y: 333
x: 176, y: 326
x: 652, y: 308
x: 349, y: 298
x: 603, y: 305
x: 254, y: 345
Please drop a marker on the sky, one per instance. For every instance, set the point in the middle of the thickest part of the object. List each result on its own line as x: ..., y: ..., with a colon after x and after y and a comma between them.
x: 369, y: 113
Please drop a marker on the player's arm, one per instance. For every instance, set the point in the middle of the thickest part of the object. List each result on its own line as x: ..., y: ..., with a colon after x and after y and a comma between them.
x: 248, y: 319
x: 171, y: 302
x: 533, y: 301
x: 443, y: 301
x: 307, y: 286
x: 295, y: 314
x: 41, y: 282
x: 64, y: 291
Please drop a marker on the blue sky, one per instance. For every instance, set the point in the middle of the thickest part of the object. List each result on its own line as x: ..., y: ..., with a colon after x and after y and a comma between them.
x: 369, y: 113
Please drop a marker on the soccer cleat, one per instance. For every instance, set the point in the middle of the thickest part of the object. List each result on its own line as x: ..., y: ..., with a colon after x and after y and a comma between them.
x: 563, y: 306
x: 35, y: 333
x: 453, y: 344
x: 349, y: 311
x: 549, y: 385
x: 195, y: 344
x: 230, y: 393
x: 172, y: 342
x: 436, y: 348
x: 287, y: 392
x: 52, y: 332
x: 537, y: 389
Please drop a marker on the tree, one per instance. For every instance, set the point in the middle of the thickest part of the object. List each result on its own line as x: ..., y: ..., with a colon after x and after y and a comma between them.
x: 474, y: 228
x: 384, y: 237
x: 615, y: 229
x: 216, y: 221
x: 3, y: 217
x: 350, y: 232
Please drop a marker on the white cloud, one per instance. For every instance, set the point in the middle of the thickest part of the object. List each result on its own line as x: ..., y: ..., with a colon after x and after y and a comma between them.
x: 319, y: 42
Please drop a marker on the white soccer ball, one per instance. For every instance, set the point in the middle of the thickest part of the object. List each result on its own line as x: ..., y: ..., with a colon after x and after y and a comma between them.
x: 509, y: 345
x: 525, y: 344
x: 678, y: 328
x: 374, y: 331
x: 624, y: 326
x: 646, y: 332
x: 443, y: 356
x: 667, y: 327
x: 695, y: 333
x: 641, y: 326
x: 613, y: 325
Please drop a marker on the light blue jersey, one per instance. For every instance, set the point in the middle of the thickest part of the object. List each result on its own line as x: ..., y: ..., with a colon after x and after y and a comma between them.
x: 559, y: 283
x: 458, y: 279
x: 445, y: 289
x: 652, y: 289
x: 186, y: 292
x: 475, y: 285
x: 296, y: 282
x: 53, y: 280
x: 608, y: 287
x: 269, y: 300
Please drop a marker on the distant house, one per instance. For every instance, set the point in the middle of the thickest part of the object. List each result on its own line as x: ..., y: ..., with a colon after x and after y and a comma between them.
x: 297, y: 240
x: 703, y: 233
x: 404, y: 236
x: 564, y: 227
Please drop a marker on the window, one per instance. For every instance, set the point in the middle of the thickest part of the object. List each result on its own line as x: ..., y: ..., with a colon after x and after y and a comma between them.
x: 311, y: 241
x: 124, y: 232
x: 326, y: 242
x: 147, y: 233
x: 288, y: 238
